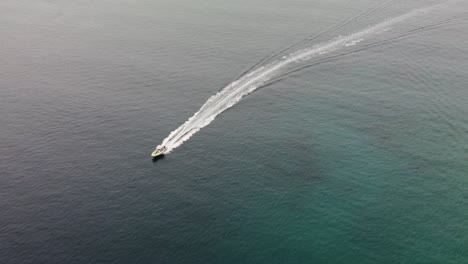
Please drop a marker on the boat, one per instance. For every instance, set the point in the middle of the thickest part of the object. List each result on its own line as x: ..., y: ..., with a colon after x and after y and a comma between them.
x: 159, y: 151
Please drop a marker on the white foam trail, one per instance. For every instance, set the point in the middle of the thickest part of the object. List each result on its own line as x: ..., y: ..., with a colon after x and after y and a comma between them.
x: 246, y: 84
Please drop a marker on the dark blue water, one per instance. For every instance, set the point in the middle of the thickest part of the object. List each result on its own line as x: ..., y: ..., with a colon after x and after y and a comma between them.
x: 361, y: 159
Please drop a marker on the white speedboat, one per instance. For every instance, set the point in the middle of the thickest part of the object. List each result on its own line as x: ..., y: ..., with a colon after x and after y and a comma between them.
x: 160, y: 150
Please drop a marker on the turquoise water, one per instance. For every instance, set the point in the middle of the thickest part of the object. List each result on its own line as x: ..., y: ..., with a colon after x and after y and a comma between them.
x: 361, y: 159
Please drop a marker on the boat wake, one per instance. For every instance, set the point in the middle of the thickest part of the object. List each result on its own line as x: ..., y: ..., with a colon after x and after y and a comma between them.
x: 272, y: 70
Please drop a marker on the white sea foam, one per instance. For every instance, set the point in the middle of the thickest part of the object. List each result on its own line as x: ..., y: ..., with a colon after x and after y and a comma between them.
x: 258, y: 77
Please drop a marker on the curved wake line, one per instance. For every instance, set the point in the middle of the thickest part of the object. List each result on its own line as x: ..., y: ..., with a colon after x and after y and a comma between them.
x: 261, y: 75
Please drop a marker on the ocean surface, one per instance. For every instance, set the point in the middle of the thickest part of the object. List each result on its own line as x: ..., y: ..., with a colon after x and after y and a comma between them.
x: 361, y: 157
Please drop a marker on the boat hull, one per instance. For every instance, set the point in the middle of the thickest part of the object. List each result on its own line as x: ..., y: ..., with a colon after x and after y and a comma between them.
x: 157, y: 153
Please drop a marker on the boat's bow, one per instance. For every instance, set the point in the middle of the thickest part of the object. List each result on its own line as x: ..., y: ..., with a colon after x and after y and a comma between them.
x: 158, y: 152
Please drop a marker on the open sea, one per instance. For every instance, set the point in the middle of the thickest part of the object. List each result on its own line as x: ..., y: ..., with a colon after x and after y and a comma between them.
x: 360, y: 157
